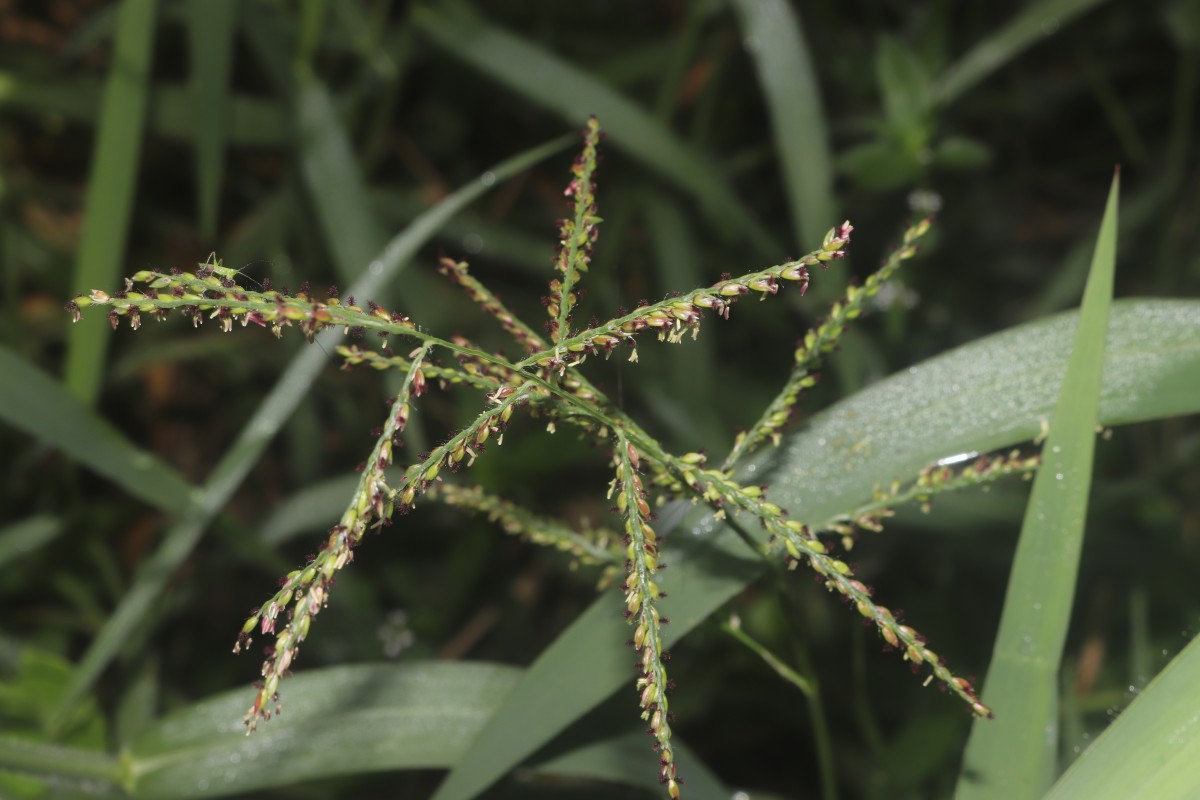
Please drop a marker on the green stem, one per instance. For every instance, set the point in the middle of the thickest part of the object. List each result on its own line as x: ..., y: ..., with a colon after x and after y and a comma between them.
x: 816, y: 708
x: 734, y: 628
x: 809, y: 688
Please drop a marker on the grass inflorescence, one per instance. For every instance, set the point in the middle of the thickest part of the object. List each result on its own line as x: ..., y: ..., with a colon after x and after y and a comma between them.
x: 546, y: 381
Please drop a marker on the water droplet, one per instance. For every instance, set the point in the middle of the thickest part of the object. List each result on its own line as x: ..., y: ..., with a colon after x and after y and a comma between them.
x: 750, y: 469
x: 740, y: 796
x: 488, y: 178
x: 472, y: 243
x: 376, y: 268
x: 1058, y: 476
x: 235, y: 758
x: 955, y: 459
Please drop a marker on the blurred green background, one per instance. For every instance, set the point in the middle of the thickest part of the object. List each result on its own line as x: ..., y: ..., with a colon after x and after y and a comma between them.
x: 295, y: 139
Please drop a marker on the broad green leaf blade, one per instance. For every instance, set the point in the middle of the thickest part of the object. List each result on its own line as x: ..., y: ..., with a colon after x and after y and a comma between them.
x: 789, y: 84
x: 1152, y: 751
x: 68, y: 766
x: 75, y: 761
x: 210, y: 29
x: 266, y: 422
x: 338, y: 721
x: 109, y: 200
x: 575, y: 95
x: 1014, y: 755
x: 986, y: 395
x: 33, y: 402
x: 880, y: 165
x: 904, y: 83
x: 1037, y: 21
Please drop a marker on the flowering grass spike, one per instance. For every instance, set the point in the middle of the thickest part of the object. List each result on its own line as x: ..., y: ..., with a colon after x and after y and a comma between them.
x: 546, y: 380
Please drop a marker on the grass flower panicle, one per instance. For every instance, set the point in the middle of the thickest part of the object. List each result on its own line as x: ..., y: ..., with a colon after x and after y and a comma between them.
x: 576, y: 236
x: 547, y: 381
x: 589, y: 547
x: 931, y: 481
x: 305, y: 592
x: 819, y: 342
x: 642, y: 596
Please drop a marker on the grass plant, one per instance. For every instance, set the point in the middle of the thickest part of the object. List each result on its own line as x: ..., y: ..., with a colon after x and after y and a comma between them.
x: 630, y: 431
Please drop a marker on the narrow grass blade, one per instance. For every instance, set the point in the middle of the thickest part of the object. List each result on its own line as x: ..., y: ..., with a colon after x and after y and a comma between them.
x: 327, y: 163
x: 210, y: 29
x: 109, y: 200
x: 789, y: 84
x: 308, y: 510
x: 989, y: 394
x: 1014, y: 755
x: 33, y: 402
x: 252, y: 121
x: 1152, y: 751
x: 262, y: 427
x: 548, y: 81
x: 335, y: 184
x: 483, y: 238
x: 20, y: 539
x: 588, y: 662
x: 1037, y: 21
